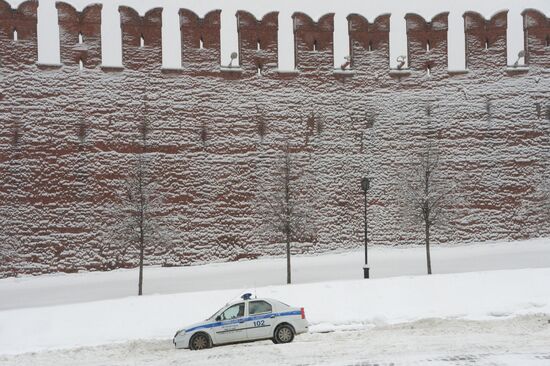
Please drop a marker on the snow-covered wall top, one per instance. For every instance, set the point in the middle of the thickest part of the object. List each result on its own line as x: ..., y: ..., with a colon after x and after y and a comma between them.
x: 70, y: 132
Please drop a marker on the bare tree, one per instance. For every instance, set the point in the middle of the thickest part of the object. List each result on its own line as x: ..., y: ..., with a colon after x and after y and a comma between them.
x: 426, y: 194
x: 140, y: 212
x: 140, y: 226
x: 544, y: 193
x: 9, y: 251
x: 10, y: 247
x: 286, y: 212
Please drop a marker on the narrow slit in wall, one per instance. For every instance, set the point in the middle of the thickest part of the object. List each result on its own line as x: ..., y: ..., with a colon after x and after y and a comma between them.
x: 201, y: 43
x: 370, y: 46
x: 428, y: 46
x: 15, y: 37
x: 486, y: 43
x: 80, y: 40
x: 80, y: 64
x: 258, y: 45
x: 315, y: 45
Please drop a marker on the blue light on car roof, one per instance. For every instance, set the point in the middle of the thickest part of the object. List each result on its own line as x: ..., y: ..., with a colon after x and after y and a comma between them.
x: 246, y: 296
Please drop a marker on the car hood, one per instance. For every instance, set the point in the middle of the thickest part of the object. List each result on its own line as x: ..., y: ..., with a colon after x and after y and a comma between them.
x: 198, y: 324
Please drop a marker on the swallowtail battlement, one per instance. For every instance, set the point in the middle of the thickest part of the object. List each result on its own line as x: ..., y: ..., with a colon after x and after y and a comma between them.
x: 80, y: 40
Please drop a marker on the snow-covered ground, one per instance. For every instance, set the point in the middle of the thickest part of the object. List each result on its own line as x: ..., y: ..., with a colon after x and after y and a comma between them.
x: 520, y: 341
x: 491, y: 313
x: 384, y: 261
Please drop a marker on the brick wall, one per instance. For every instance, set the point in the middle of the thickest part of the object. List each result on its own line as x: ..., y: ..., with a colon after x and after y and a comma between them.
x: 69, y: 134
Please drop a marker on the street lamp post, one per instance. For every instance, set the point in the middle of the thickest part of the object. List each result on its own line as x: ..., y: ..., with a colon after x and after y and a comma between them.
x: 365, y: 185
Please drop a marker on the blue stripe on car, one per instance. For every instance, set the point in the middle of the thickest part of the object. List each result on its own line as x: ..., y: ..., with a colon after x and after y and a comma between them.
x: 241, y: 320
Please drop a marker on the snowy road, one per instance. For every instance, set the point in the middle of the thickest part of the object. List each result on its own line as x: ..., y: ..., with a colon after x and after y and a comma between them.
x: 384, y: 261
x: 515, y: 341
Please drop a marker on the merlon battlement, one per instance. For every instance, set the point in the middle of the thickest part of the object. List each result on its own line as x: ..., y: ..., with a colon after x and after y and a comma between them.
x: 427, y: 45
x: 536, y: 31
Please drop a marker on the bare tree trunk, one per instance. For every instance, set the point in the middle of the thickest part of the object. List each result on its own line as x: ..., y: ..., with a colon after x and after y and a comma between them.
x: 428, y: 259
x: 141, y: 250
x: 288, y: 218
x: 141, y: 227
x: 427, y: 214
x: 288, y: 272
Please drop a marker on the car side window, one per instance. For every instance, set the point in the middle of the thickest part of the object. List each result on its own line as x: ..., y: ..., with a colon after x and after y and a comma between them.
x: 233, y: 312
x: 259, y: 307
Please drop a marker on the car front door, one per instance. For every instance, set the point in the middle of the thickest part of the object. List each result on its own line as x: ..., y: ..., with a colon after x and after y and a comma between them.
x: 232, y: 327
x: 260, y: 320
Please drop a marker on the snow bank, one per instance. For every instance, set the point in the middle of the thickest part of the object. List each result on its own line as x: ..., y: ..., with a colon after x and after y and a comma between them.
x: 57, y: 289
x: 329, y: 306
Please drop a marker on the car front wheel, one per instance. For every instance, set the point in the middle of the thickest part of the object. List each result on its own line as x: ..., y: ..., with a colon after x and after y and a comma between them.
x: 283, y: 334
x: 199, y: 341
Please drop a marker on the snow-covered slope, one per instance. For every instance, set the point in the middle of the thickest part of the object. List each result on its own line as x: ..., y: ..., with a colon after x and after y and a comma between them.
x: 385, y: 261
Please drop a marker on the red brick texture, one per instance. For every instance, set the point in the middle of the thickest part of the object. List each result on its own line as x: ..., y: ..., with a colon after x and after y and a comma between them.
x: 80, y: 35
x: 485, y: 40
x: 196, y: 31
x: 427, y: 43
x: 22, y: 22
x: 536, y: 28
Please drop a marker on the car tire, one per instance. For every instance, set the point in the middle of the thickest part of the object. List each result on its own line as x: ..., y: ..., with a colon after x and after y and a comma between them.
x: 199, y: 341
x: 283, y: 334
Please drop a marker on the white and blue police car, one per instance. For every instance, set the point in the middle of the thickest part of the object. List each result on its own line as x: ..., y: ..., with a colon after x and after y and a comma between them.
x: 248, y: 319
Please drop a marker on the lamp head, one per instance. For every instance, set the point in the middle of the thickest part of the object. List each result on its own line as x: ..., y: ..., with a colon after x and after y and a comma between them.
x: 365, y: 184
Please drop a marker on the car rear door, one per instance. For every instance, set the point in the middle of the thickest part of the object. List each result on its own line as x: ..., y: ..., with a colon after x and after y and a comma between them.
x: 260, y: 320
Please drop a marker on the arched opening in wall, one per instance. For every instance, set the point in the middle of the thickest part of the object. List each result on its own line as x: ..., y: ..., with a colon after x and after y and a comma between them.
x: 80, y: 40
x: 315, y: 45
x: 201, y: 43
x: 428, y: 70
x: 141, y: 41
x: 486, y: 43
x: 258, y: 45
x: 259, y: 70
x: 14, y: 34
x: 548, y: 40
x: 80, y: 64
x: 370, y: 46
x: 428, y: 46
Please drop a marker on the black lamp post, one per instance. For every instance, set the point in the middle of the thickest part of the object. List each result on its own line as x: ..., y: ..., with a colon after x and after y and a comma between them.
x: 365, y: 185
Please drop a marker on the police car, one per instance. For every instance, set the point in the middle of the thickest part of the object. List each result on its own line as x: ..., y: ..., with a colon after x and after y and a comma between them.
x: 248, y: 319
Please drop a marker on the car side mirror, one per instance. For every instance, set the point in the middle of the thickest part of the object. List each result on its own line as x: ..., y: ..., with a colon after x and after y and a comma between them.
x: 218, y: 318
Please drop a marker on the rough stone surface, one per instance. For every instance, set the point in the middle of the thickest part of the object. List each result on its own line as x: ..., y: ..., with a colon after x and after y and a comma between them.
x: 68, y: 136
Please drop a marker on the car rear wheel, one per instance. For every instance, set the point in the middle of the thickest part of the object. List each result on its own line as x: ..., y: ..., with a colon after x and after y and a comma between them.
x: 283, y: 334
x: 199, y: 341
